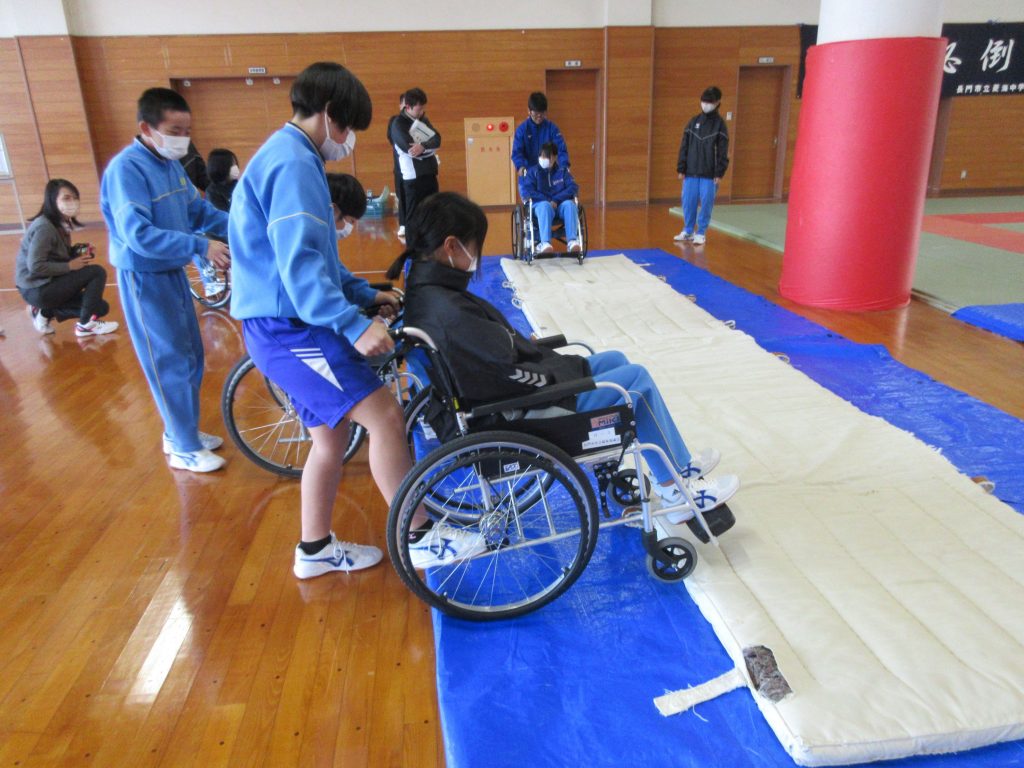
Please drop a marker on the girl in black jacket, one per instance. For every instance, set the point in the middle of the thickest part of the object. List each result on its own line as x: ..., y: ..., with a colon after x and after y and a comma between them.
x: 490, y: 360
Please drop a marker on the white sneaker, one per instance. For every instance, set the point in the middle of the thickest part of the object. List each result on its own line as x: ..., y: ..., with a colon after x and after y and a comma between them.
x: 444, y: 545
x: 699, y: 239
x: 707, y: 494
x: 575, y: 246
x: 684, y: 235
x: 214, y: 288
x: 40, y: 323
x: 401, y: 231
x: 335, y: 556
x: 702, y: 463
x: 197, y: 461
x: 94, y: 327
x: 545, y: 248
x: 209, y: 442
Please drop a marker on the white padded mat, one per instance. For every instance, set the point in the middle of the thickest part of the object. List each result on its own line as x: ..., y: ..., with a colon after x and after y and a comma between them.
x: 888, y: 585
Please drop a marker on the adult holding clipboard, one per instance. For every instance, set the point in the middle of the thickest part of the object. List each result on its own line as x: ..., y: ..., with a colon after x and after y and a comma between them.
x: 416, y: 142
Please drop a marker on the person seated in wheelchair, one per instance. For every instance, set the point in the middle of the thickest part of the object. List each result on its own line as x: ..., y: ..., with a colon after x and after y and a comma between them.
x: 552, y: 189
x: 348, y: 204
x: 491, y: 361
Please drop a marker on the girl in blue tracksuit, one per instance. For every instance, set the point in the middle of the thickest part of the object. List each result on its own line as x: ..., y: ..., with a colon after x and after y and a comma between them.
x: 551, y: 187
x: 301, y: 308
x: 154, y: 216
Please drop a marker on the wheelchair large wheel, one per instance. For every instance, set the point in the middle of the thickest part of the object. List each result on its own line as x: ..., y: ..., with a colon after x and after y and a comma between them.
x: 219, y: 291
x: 584, y: 240
x: 517, y: 232
x: 535, y: 550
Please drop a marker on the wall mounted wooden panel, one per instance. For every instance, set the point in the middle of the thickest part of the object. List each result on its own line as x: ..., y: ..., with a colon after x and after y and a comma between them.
x: 629, y: 75
x: 19, y: 129
x: 61, y: 119
x: 986, y: 139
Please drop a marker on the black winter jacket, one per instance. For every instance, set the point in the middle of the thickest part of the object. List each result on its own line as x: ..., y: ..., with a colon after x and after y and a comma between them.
x: 490, y: 360
x: 398, y: 133
x: 704, y: 151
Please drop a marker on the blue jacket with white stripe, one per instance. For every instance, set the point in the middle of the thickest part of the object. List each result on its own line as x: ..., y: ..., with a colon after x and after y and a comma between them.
x: 153, y: 212
x: 284, y: 249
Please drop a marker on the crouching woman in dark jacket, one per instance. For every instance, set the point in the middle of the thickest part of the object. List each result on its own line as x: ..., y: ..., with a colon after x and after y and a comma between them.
x: 490, y: 360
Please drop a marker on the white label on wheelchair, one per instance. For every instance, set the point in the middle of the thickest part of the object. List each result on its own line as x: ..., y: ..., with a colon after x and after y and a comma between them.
x: 428, y: 432
x: 602, y: 437
x: 514, y: 467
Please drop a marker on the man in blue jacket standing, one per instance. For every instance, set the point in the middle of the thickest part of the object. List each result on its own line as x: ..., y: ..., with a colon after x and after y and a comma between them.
x: 703, y: 160
x: 535, y: 131
x: 157, y: 219
x: 551, y: 187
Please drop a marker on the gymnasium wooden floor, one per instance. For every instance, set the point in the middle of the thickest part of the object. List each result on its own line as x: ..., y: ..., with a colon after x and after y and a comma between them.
x: 150, y: 617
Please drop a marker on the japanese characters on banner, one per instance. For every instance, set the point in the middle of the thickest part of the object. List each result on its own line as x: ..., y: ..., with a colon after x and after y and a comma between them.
x: 980, y: 58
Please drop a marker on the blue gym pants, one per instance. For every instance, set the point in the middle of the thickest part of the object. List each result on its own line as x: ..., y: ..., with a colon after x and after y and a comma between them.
x: 545, y: 214
x: 698, y: 190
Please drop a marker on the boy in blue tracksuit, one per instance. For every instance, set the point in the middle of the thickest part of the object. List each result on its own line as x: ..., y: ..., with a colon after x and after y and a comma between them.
x: 551, y: 187
x: 300, y: 308
x: 154, y: 216
x: 534, y: 132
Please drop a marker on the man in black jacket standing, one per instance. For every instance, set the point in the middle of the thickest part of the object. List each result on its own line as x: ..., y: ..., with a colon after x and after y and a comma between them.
x: 416, y: 142
x: 399, y: 192
x: 703, y: 159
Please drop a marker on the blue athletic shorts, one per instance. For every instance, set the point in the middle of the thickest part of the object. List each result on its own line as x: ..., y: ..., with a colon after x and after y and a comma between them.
x: 321, y: 371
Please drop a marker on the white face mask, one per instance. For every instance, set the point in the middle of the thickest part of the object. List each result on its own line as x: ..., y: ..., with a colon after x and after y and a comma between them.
x: 472, y: 259
x: 173, y: 147
x: 234, y: 173
x: 69, y: 210
x: 707, y: 107
x: 331, y: 149
x: 544, y: 162
x: 345, y: 231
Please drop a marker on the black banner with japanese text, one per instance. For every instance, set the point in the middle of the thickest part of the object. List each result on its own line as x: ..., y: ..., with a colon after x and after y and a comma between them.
x: 980, y: 58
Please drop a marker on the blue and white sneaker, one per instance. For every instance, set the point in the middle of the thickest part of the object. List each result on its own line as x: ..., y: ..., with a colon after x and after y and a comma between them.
x: 700, y: 464
x: 707, y: 494
x: 209, y: 442
x: 197, y: 461
x: 445, y: 545
x: 683, y: 236
x: 336, y: 555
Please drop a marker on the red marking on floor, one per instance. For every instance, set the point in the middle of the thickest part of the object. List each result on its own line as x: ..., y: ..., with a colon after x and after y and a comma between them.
x: 956, y: 227
x: 1013, y: 217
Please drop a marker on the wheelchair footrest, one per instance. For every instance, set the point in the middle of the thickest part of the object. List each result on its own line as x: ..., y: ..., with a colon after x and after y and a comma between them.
x: 719, y: 520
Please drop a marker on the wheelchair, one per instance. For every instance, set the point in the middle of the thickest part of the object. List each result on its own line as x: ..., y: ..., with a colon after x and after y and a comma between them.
x: 264, y: 425
x: 525, y: 238
x: 537, y: 490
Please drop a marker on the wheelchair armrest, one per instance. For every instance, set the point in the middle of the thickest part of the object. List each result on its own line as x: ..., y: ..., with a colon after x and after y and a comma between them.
x: 551, y: 342
x: 542, y: 396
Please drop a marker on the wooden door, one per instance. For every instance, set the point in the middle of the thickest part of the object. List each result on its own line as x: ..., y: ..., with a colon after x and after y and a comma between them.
x: 758, y: 133
x: 574, y: 102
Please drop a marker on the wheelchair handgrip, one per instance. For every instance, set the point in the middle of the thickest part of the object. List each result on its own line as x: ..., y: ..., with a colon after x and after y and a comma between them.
x: 551, y: 342
x: 543, y: 396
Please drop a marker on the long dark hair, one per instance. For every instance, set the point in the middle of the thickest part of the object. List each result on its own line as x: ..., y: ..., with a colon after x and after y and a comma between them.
x: 49, y: 209
x: 218, y: 164
x: 434, y: 220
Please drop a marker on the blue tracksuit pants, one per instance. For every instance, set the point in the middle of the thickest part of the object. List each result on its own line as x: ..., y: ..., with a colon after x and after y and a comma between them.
x: 545, y: 214
x: 653, y: 421
x: 697, y: 190
x: 162, y: 323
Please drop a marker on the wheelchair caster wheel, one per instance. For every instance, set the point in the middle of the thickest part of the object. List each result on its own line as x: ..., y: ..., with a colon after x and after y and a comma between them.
x: 626, y: 487
x: 674, y: 559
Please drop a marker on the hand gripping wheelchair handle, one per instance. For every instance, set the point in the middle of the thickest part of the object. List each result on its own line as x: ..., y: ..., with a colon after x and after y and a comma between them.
x: 542, y: 396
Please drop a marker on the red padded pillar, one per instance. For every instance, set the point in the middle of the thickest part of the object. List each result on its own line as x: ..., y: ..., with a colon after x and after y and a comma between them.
x: 860, y: 172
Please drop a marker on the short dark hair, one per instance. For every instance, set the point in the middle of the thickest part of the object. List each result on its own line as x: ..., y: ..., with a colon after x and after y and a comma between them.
x: 155, y: 101
x: 348, y: 194
x: 537, y: 102
x: 330, y: 85
x: 549, y: 148
x: 434, y: 220
x: 218, y: 164
x: 712, y: 94
x: 414, y: 97
x: 49, y: 209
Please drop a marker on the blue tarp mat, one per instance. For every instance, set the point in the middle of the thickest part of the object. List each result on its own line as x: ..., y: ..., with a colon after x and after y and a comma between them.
x: 1005, y: 319
x: 573, y: 684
